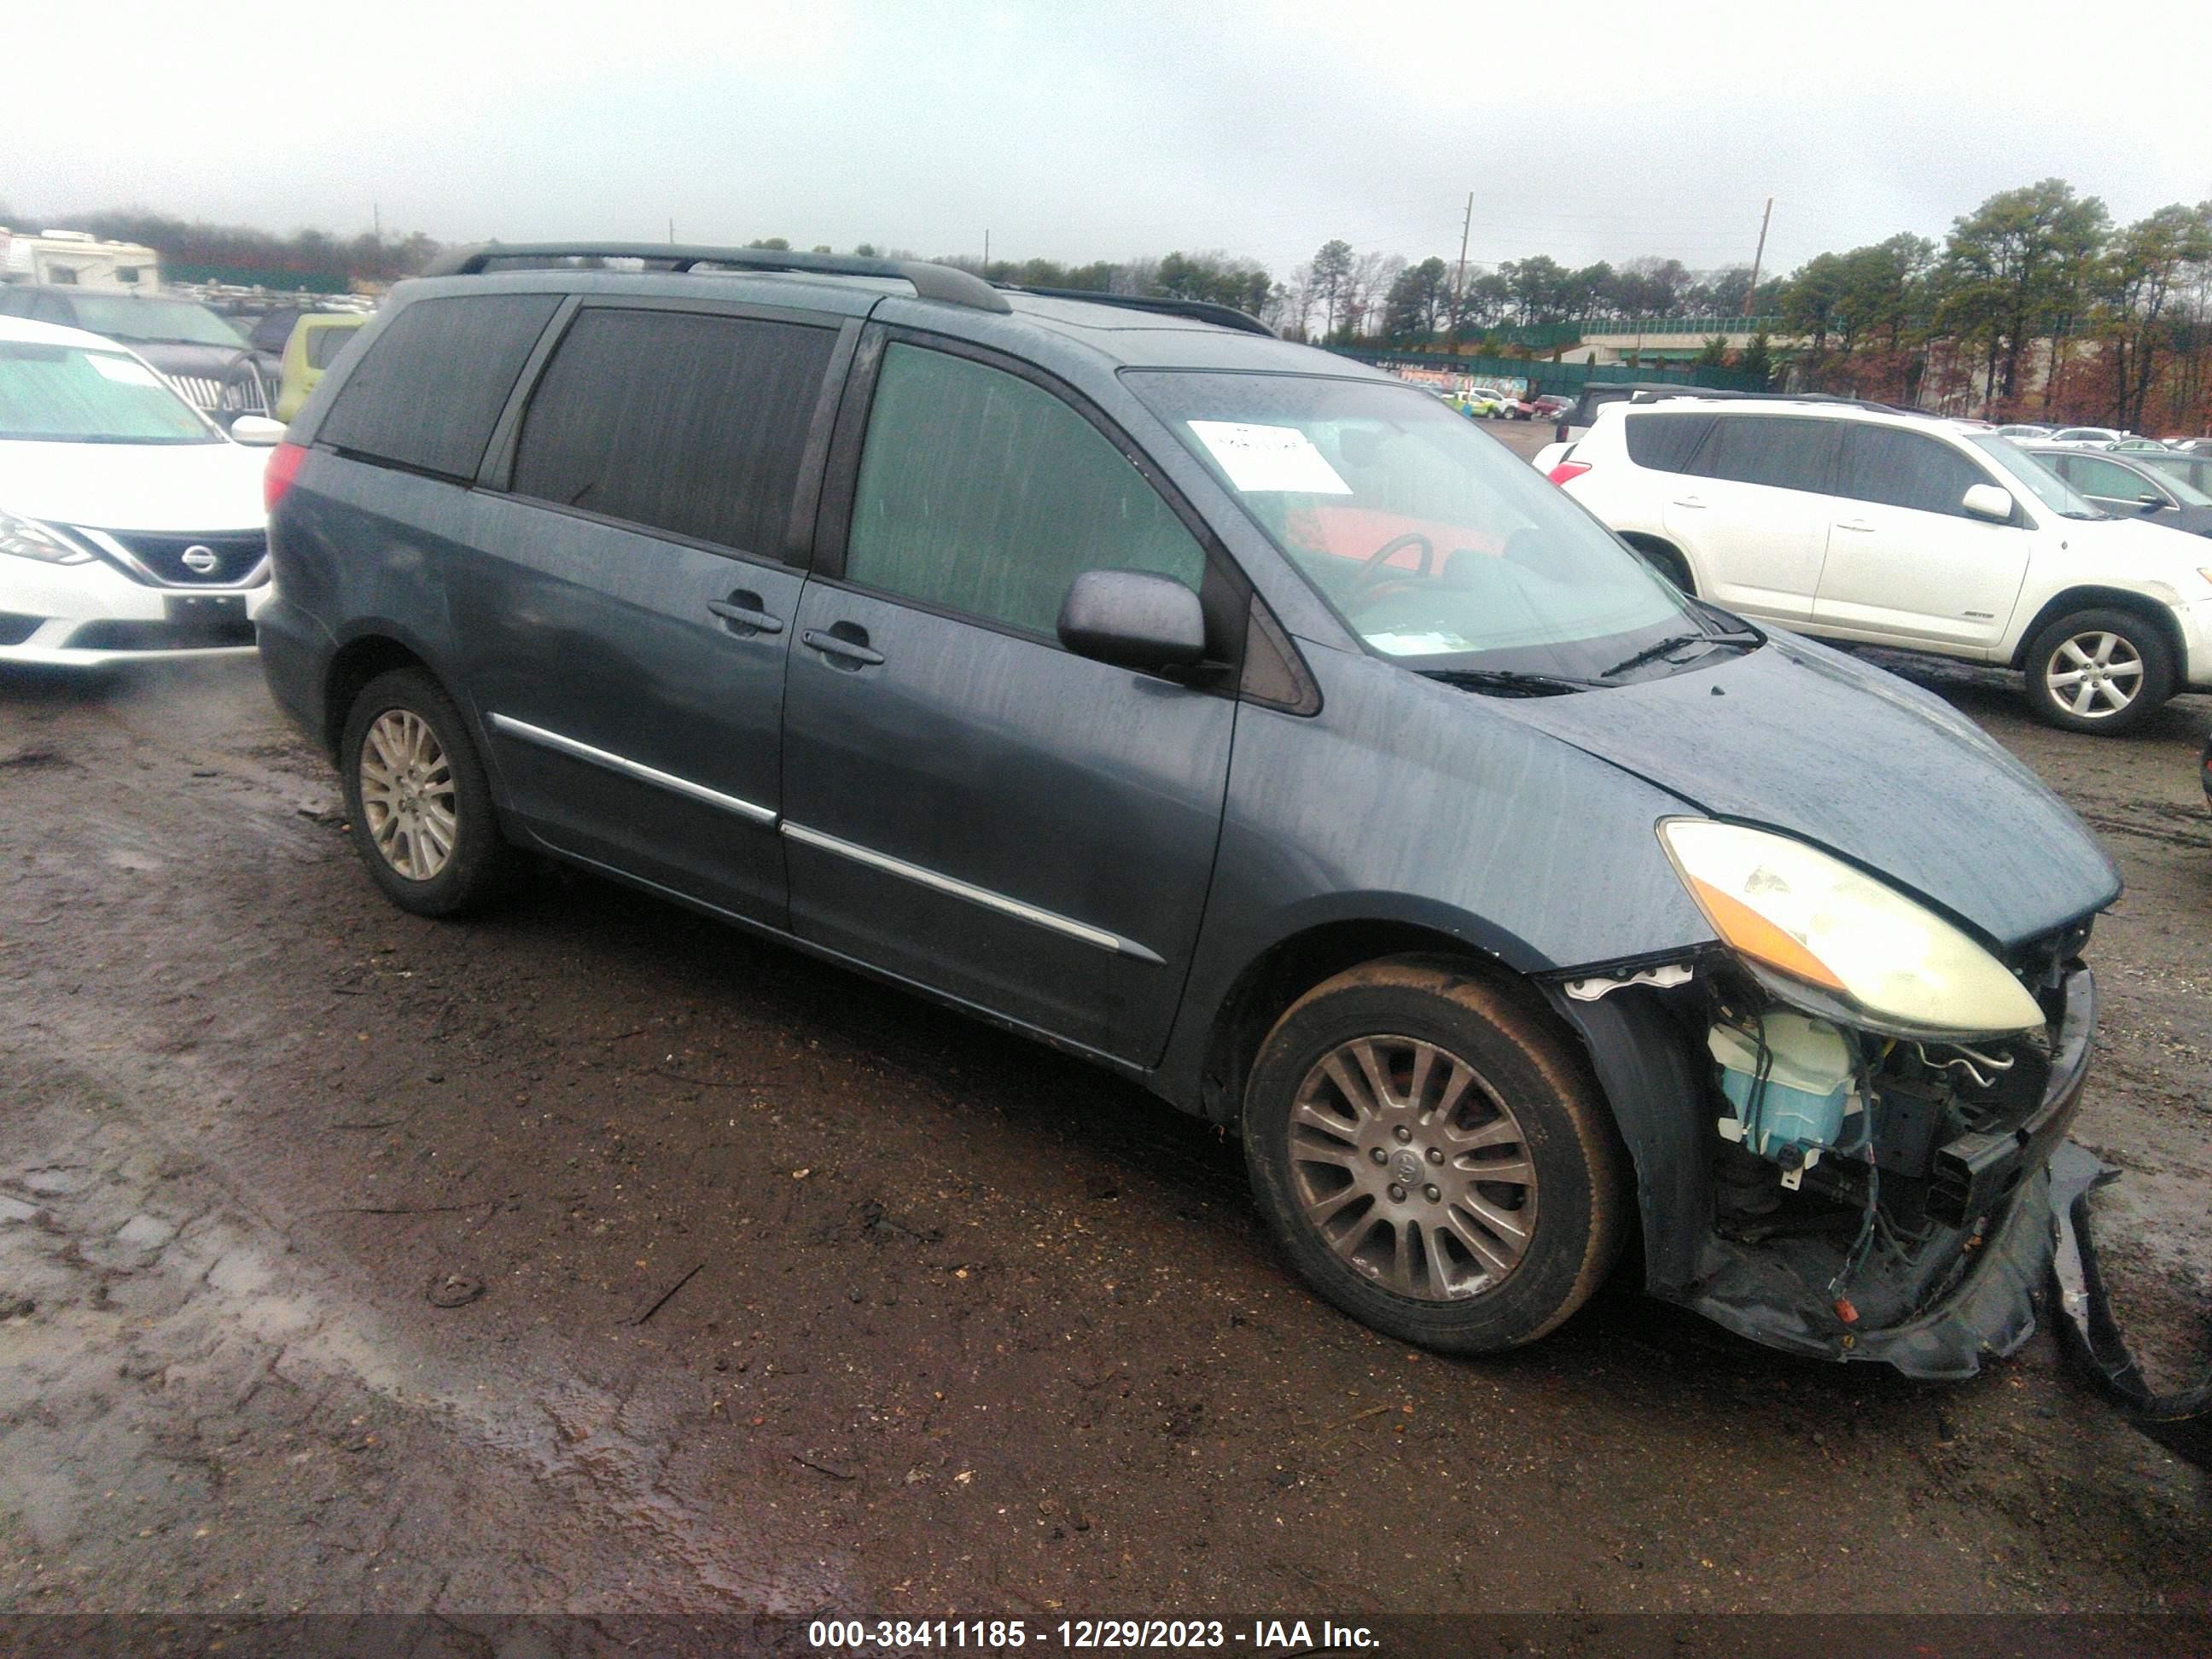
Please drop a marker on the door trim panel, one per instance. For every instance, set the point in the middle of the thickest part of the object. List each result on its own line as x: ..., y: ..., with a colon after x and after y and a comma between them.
x: 1050, y: 920
x: 630, y: 769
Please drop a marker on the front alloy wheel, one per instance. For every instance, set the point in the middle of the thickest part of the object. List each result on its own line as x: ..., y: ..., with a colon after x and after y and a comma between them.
x: 1407, y: 1162
x: 1433, y: 1156
x: 2099, y: 671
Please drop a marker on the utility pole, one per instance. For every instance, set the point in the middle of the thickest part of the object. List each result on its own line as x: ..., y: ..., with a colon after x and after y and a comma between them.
x: 672, y: 231
x: 376, y: 218
x: 987, y: 250
x: 1459, y: 281
x: 1751, y: 294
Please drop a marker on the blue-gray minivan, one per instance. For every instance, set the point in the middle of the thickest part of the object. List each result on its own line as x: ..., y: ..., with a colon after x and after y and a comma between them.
x: 1234, y: 716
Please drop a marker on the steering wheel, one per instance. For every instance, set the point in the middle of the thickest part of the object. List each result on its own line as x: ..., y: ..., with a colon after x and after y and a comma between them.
x: 1376, y: 570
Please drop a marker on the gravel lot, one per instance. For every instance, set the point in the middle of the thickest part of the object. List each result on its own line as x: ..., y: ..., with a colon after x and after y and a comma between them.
x: 594, y: 1257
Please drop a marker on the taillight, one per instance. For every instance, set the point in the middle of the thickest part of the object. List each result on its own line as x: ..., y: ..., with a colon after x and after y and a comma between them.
x: 284, y: 464
x: 1567, y: 469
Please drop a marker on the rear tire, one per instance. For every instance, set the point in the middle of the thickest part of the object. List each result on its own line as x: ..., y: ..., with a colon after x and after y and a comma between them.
x: 2103, y: 672
x: 418, y: 803
x: 1433, y: 1159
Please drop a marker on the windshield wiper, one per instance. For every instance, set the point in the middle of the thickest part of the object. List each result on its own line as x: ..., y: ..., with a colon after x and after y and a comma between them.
x: 1744, y: 637
x: 1510, y: 681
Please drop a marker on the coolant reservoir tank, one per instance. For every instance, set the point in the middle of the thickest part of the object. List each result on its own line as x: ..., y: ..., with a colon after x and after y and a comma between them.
x: 1791, y: 1100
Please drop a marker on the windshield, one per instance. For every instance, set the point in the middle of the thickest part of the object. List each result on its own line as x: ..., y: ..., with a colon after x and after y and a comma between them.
x: 62, y: 394
x: 1431, y: 539
x: 122, y: 317
x: 2053, y: 491
x: 2176, y: 472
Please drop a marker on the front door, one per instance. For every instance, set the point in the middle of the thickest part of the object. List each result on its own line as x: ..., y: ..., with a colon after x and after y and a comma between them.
x: 1907, y: 563
x: 968, y: 806
x: 624, y: 603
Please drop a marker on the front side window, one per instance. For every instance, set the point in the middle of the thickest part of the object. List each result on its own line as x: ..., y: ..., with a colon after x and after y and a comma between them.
x: 676, y: 421
x: 1431, y: 541
x: 1896, y: 468
x: 2093, y: 477
x: 61, y: 394
x: 984, y: 494
x: 1783, y: 452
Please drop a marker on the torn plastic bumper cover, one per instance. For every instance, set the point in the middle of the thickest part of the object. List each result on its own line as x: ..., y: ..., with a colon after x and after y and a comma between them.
x: 2180, y: 1421
x: 1941, y: 1319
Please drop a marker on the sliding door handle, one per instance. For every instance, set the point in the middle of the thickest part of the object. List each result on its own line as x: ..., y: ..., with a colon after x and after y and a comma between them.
x: 830, y: 643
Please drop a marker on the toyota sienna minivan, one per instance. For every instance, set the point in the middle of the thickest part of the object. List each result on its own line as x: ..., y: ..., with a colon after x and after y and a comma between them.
x: 1233, y: 716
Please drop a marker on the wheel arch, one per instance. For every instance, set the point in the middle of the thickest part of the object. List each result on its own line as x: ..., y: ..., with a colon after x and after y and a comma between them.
x: 1294, y: 964
x: 1659, y: 548
x: 2095, y: 598
x: 360, y: 660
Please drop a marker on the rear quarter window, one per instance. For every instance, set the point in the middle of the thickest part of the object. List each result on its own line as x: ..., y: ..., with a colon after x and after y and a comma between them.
x: 1665, y: 443
x: 433, y: 383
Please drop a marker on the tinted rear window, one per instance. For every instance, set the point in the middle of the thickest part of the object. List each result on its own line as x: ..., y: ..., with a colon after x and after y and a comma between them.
x: 1665, y: 442
x: 686, y: 423
x: 427, y: 394
x: 1783, y: 452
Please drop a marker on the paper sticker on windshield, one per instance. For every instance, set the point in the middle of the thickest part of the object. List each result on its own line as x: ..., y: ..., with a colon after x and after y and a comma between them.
x: 1266, y: 458
x: 127, y: 371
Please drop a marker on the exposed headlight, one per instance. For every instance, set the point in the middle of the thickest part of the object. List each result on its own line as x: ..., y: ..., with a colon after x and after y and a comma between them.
x: 28, y: 539
x: 1812, y: 923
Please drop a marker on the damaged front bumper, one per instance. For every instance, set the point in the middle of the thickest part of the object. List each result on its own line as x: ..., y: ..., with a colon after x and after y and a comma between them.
x: 1966, y: 1289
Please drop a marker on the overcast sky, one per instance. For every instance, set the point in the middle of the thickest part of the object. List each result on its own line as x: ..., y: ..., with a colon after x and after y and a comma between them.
x: 1083, y: 131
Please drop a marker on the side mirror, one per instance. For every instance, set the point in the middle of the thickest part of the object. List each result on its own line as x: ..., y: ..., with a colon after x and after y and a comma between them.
x: 1134, y: 619
x: 1988, y: 501
x: 259, y: 431
x: 2151, y: 503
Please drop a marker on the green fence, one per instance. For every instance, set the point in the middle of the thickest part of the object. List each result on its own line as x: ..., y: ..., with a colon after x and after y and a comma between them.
x: 301, y: 281
x: 1542, y: 375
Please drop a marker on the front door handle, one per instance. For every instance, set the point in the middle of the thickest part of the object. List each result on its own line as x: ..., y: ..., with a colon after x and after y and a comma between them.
x: 1858, y: 524
x: 742, y: 611
x: 830, y: 643
x: 1689, y: 501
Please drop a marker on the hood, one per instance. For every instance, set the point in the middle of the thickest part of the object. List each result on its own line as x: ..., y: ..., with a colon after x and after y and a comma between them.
x: 2197, y: 520
x: 185, y: 357
x: 180, y: 486
x: 1800, y: 739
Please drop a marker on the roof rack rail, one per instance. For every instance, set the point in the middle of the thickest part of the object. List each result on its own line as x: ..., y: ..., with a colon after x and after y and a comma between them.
x: 931, y: 281
x: 1203, y: 310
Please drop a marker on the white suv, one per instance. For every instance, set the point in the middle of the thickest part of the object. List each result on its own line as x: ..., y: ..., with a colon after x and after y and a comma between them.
x: 1853, y: 523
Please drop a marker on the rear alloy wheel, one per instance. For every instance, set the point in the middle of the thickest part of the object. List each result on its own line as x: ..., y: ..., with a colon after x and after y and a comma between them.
x: 1433, y: 1157
x: 417, y: 799
x: 2099, y: 671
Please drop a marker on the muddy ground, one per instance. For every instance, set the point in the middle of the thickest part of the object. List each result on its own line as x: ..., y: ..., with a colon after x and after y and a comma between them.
x: 337, y: 1254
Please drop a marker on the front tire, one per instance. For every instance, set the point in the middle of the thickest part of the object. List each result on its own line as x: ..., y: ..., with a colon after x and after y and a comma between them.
x: 418, y: 803
x: 2102, y: 672
x: 1433, y: 1159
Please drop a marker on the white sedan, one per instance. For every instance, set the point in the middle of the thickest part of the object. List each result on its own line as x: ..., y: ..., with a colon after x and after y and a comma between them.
x: 130, y: 527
